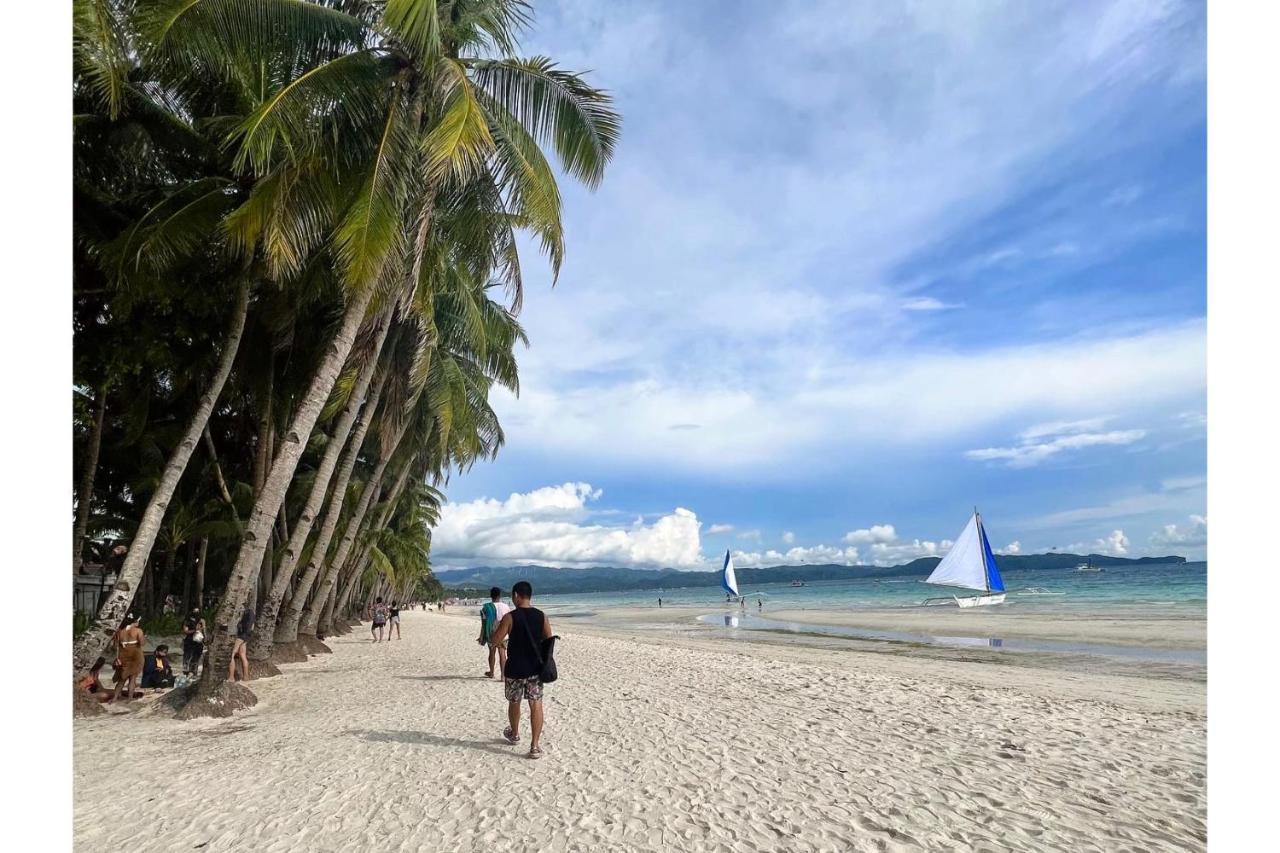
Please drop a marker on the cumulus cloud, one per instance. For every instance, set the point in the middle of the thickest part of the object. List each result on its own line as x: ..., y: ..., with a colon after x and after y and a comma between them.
x: 1194, y: 534
x: 551, y: 526
x: 788, y: 538
x: 717, y: 529
x: 750, y: 535
x: 1116, y: 544
x: 1014, y: 547
x: 1044, y: 441
x: 798, y: 556
x: 875, y: 533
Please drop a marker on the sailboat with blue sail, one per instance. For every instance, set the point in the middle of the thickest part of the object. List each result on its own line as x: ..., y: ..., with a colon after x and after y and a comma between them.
x: 970, y: 565
x: 729, y: 580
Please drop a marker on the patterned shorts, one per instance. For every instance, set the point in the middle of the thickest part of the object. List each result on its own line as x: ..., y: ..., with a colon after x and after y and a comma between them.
x: 524, y: 688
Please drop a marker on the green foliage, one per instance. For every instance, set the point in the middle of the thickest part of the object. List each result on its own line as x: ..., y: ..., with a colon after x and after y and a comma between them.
x: 314, y: 150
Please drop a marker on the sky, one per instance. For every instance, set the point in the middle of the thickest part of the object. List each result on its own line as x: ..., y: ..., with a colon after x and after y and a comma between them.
x: 855, y: 269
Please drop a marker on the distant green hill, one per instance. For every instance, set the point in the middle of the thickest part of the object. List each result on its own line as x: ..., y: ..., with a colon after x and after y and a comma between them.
x: 546, y: 579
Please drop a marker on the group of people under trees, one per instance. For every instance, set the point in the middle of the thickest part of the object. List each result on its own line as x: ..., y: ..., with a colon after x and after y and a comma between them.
x: 135, y: 670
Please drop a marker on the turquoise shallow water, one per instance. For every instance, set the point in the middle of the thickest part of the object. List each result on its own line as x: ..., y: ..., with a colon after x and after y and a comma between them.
x: 1153, y: 587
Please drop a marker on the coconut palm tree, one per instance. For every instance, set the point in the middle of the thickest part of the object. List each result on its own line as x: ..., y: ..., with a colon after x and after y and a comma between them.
x: 419, y: 109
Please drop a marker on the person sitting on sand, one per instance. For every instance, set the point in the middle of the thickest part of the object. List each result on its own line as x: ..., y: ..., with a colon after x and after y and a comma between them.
x: 379, y: 619
x: 128, y: 665
x: 490, y: 615
x: 192, y: 642
x: 92, y: 684
x: 240, y: 651
x: 525, y: 624
x: 157, y: 671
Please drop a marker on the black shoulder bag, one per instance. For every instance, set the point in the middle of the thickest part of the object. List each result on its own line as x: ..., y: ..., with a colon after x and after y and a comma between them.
x: 545, y: 651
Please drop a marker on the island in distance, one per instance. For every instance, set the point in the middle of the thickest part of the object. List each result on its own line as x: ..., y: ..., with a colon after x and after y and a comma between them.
x: 548, y: 580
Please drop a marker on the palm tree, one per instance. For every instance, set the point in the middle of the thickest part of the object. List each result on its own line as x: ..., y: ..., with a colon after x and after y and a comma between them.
x: 419, y: 110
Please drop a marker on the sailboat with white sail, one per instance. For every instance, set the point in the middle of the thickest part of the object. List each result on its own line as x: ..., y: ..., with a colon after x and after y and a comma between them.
x: 970, y: 565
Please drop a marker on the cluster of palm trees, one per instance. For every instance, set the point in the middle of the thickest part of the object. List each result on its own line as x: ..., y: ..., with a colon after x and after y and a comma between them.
x: 296, y: 283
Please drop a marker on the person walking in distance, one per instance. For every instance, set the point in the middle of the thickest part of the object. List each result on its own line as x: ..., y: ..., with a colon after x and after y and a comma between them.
x: 379, y: 619
x: 393, y: 621
x: 490, y: 615
x: 526, y: 626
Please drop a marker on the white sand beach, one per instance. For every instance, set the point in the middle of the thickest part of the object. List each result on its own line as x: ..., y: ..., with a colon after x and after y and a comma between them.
x: 657, y: 742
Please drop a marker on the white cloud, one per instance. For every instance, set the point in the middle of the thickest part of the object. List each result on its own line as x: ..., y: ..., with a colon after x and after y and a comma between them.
x: 548, y: 526
x: 928, y: 303
x: 717, y: 529
x: 750, y: 535
x: 877, y: 533
x: 797, y: 556
x: 1194, y: 534
x: 788, y: 538
x: 776, y: 409
x: 1044, y: 441
x: 1014, y: 547
x: 1116, y: 544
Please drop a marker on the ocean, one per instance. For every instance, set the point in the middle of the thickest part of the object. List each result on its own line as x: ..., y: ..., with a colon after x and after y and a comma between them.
x: 1163, y: 587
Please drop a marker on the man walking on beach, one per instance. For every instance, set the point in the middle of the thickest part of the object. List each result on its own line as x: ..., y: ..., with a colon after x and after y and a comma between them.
x: 490, y: 615
x: 527, y: 626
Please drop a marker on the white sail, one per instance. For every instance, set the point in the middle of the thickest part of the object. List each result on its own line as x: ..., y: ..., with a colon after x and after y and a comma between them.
x: 965, y: 564
x: 728, y: 580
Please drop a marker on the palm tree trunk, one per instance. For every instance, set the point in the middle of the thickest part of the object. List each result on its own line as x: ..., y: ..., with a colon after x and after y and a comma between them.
x: 249, y: 558
x: 217, y: 473
x: 94, y: 641
x: 312, y: 613
x: 260, y: 646
x: 287, y: 629
x: 84, y: 495
x: 204, y: 552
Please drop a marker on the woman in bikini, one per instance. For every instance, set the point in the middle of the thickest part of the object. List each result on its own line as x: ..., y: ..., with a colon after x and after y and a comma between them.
x: 129, y: 657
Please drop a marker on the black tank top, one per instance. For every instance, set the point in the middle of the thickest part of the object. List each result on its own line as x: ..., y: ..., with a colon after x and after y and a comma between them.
x: 522, y: 657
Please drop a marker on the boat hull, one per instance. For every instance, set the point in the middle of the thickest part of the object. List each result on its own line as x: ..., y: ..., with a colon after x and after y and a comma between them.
x: 980, y: 600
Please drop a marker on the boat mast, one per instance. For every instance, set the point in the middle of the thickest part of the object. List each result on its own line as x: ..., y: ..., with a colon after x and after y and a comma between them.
x: 982, y: 543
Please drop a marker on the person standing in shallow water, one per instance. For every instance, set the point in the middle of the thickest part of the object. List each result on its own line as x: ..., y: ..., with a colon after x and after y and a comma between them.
x: 525, y: 625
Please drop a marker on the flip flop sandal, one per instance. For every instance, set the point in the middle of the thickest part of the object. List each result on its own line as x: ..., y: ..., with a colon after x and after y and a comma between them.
x: 536, y: 752
x: 510, y: 737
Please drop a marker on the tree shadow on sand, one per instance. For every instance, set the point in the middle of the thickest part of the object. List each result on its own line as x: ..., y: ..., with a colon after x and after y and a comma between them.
x: 497, y: 745
x: 442, y: 678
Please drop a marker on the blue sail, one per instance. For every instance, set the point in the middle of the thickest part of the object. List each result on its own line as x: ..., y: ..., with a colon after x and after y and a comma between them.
x: 995, y: 583
x: 728, y: 580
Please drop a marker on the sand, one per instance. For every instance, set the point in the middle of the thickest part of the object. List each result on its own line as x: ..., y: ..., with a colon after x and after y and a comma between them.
x: 657, y: 741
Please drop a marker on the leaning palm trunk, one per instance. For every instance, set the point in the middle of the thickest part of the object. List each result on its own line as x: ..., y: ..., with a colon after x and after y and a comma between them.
x: 303, y: 620
x: 84, y: 495
x: 263, y: 641
x: 357, y: 562
x: 263, y: 516
x: 94, y: 641
x: 312, y: 613
x: 287, y: 629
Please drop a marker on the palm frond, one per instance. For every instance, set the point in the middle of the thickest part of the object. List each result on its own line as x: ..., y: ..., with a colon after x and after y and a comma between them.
x: 556, y: 107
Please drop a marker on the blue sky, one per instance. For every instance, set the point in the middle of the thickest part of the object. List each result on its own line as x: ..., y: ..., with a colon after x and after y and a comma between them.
x: 857, y: 267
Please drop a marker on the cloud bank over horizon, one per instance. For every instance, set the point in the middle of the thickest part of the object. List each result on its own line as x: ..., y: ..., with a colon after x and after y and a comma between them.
x: 564, y: 526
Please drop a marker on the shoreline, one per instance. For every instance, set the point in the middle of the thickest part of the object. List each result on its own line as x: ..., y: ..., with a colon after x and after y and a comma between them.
x: 652, y: 734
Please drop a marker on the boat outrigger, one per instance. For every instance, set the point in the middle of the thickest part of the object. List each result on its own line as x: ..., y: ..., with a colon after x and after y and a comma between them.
x: 971, y: 565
